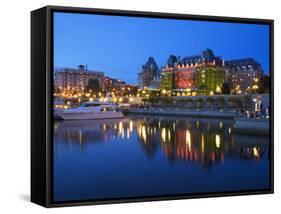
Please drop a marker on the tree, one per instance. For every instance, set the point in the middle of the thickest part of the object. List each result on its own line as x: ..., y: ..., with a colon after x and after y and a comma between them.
x: 57, y: 90
x: 264, y: 84
x: 93, y: 86
x: 225, y: 89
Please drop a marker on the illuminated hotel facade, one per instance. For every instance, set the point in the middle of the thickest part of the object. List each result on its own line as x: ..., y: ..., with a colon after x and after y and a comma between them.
x: 199, y: 74
x: 210, y: 77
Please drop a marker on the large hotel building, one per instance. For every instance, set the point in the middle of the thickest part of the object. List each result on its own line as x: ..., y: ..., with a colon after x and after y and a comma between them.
x: 202, y: 74
x: 199, y: 74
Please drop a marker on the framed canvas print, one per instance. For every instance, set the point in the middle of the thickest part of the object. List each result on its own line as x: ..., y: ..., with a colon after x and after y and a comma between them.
x: 133, y: 106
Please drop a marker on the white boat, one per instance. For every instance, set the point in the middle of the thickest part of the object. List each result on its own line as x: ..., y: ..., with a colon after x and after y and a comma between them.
x: 91, y: 110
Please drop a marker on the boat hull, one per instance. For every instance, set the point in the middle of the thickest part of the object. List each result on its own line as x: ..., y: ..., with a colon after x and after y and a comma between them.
x: 89, y: 115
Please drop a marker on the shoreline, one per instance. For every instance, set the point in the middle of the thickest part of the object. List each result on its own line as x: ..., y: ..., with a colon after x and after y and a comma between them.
x: 245, y: 126
x: 189, y: 113
x: 241, y: 125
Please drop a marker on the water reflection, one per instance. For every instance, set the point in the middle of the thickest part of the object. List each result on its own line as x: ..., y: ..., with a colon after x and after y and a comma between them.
x: 148, y: 156
x: 202, y: 141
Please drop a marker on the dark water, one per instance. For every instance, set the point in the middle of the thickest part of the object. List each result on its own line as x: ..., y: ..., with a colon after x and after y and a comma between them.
x: 149, y: 156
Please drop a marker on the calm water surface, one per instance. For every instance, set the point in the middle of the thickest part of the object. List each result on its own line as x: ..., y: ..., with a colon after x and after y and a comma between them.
x: 147, y: 156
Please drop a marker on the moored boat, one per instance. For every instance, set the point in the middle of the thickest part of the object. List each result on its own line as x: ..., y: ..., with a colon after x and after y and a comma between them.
x: 90, y: 111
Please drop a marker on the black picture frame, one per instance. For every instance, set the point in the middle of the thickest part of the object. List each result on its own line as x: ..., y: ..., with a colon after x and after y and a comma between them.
x: 41, y: 102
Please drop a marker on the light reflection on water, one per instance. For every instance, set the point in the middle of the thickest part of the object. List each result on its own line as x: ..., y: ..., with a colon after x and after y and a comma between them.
x: 160, y: 155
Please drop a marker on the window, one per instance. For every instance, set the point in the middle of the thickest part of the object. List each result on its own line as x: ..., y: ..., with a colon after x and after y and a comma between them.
x: 105, y: 109
x: 90, y: 104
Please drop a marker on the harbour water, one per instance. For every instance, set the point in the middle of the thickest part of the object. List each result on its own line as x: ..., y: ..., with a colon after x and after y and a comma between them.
x: 154, y: 156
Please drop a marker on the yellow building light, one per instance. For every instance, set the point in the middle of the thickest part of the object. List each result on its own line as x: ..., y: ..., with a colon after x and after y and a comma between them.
x: 256, y: 152
x: 218, y: 141
x: 163, y: 135
x: 188, y: 139
x: 218, y: 89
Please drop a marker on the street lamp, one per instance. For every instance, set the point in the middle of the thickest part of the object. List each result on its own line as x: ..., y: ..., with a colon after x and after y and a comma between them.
x: 255, y: 87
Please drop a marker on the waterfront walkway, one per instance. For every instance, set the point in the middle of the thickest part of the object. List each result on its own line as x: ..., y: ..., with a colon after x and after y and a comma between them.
x: 242, y: 125
x: 184, y: 113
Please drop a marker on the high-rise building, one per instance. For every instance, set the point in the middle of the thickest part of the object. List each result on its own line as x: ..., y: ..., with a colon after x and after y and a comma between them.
x: 149, y: 71
x: 243, y: 75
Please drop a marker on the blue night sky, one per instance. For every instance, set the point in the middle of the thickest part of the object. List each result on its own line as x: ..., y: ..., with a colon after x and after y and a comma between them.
x: 118, y: 45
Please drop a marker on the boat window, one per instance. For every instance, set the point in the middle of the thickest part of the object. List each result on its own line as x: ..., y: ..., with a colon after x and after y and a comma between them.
x: 90, y: 104
x: 107, y: 109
